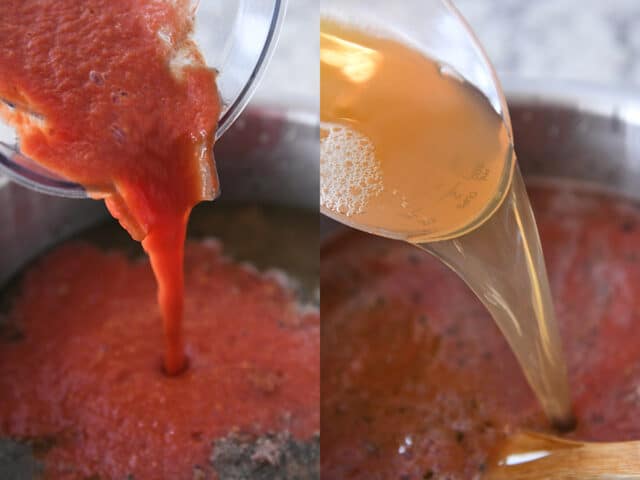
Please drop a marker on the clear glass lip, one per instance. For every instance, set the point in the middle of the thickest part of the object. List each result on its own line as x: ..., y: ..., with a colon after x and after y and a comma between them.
x: 240, y: 50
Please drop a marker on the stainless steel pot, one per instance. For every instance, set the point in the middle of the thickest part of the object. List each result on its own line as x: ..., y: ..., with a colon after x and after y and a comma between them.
x: 269, y: 156
x: 562, y: 130
x: 577, y: 132
x: 269, y: 160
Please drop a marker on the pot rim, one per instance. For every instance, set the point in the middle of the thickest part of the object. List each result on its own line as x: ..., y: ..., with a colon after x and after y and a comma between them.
x: 586, y: 97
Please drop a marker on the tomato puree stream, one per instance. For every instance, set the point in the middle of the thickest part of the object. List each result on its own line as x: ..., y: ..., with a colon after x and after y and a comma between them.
x: 114, y: 95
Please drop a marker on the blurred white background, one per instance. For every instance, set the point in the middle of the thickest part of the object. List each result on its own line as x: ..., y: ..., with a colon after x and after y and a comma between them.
x: 589, y: 40
x: 294, y: 72
x: 596, y: 41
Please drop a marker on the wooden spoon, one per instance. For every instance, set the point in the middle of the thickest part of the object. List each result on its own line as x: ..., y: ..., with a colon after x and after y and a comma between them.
x: 534, y: 456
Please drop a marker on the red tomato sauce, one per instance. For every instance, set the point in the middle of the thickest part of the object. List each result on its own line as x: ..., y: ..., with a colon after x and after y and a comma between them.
x: 418, y: 383
x: 87, y: 375
x: 117, y: 112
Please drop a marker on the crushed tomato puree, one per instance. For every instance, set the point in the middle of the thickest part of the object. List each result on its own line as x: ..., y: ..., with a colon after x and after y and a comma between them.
x: 418, y: 383
x: 82, y: 377
x: 114, y: 95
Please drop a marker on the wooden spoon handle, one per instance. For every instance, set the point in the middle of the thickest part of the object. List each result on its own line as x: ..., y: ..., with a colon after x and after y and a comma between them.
x: 531, y: 456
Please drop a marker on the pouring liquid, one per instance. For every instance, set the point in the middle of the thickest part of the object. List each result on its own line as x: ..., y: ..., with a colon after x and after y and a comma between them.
x: 148, y: 156
x: 411, y: 152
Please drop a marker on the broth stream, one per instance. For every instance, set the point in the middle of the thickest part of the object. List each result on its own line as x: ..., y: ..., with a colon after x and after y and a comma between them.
x: 411, y: 152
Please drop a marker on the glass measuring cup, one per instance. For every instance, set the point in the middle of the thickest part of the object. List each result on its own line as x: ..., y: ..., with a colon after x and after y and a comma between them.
x: 236, y: 38
x: 496, y: 252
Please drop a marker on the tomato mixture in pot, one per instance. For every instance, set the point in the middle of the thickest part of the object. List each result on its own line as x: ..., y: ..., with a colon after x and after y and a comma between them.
x: 83, y: 387
x: 417, y: 382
